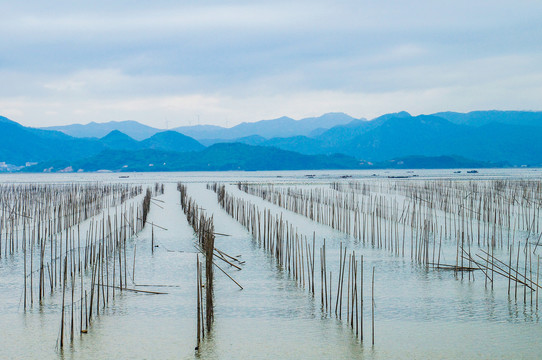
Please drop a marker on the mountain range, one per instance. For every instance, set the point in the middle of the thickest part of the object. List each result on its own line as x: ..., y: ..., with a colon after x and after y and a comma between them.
x: 331, y: 141
x: 281, y: 127
x: 217, y: 157
x: 19, y: 144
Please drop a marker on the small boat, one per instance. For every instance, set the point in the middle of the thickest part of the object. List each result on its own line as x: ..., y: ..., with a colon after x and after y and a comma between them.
x: 472, y: 172
x: 123, y: 177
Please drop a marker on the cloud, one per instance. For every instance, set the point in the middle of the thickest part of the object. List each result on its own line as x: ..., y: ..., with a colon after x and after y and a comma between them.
x: 71, y: 61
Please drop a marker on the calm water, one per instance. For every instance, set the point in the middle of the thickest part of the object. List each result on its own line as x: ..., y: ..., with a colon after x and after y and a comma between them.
x: 419, y: 313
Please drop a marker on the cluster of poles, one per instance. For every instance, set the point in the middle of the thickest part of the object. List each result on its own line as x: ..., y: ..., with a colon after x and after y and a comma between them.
x: 33, y: 211
x: 296, y: 254
x: 204, y: 229
x: 479, y: 216
x: 98, y: 265
x: 72, y: 238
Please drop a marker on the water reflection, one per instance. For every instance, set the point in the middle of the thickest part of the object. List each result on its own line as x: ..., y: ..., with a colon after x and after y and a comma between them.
x: 420, y: 313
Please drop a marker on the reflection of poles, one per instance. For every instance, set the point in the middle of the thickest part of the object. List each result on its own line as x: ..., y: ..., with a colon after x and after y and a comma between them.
x: 373, y: 306
x: 361, y: 296
x: 537, y: 274
x: 208, y: 245
x: 198, y: 293
x: 63, y: 302
x: 24, y: 251
x: 204, y: 229
x: 133, y: 270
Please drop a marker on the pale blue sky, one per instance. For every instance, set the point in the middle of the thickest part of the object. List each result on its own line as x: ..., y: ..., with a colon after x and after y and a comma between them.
x: 226, y: 62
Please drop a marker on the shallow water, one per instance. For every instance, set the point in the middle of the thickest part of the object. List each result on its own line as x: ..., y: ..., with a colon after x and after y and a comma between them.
x: 419, y: 313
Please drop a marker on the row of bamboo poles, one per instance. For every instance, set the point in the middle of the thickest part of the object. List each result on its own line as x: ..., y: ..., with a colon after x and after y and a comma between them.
x: 344, y: 205
x: 104, y: 261
x: 42, y: 241
x: 496, y: 208
x: 423, y: 214
x: 204, y: 229
x: 37, y: 209
x: 296, y: 255
x: 72, y: 238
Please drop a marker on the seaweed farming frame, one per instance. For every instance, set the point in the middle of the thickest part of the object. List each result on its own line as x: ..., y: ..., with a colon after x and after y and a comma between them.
x: 73, y: 239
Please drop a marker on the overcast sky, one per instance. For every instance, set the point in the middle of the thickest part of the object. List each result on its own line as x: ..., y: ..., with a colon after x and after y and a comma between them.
x: 224, y: 62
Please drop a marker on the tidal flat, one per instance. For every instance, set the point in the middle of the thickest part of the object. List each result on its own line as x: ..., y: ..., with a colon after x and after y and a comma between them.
x: 307, y: 265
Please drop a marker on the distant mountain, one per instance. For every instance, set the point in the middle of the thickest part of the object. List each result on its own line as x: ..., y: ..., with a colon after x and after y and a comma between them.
x: 428, y: 135
x: 5, y: 120
x: 514, y: 143
x: 171, y: 141
x: 249, y: 140
x: 241, y: 157
x: 237, y: 156
x: 438, y: 162
x: 19, y: 144
x: 200, y: 132
x: 480, y: 118
x: 165, y: 141
x: 281, y: 127
x: 98, y: 130
x: 302, y: 144
x: 477, y: 139
x: 341, y: 133
x: 219, y: 157
x: 337, y: 139
x: 119, y: 141
x: 399, y: 136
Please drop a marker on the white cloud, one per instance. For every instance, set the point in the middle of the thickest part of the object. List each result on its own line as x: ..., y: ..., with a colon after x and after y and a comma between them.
x: 69, y: 62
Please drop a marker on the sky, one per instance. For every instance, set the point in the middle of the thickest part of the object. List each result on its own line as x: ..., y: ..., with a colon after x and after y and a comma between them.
x: 174, y: 63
